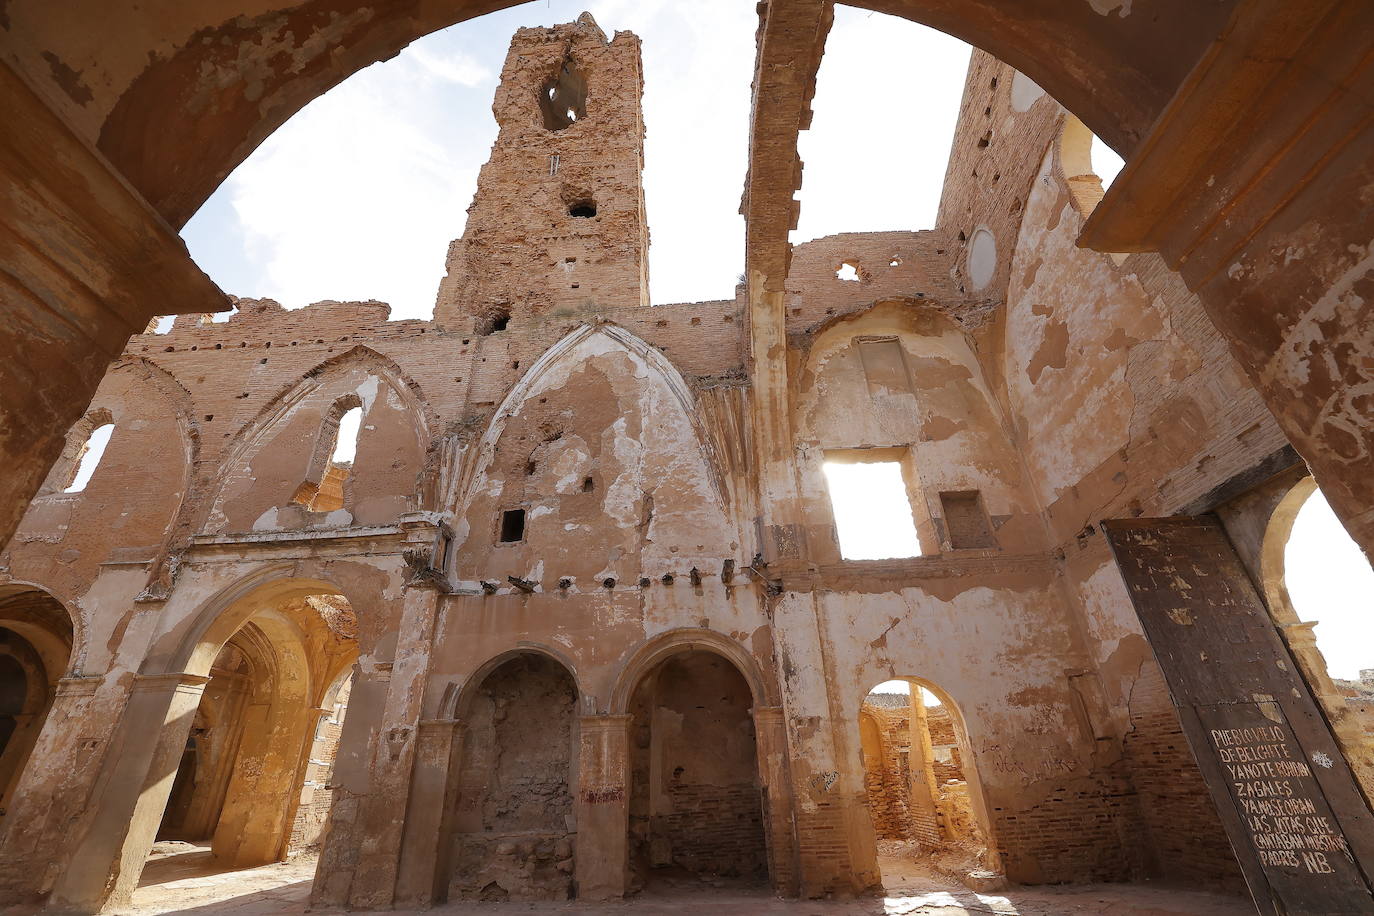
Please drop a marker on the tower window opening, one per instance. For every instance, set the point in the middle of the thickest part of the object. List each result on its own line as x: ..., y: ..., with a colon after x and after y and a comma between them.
x: 583, y: 209
x: 563, y: 101
x: 91, y: 453
x: 1328, y: 582
x: 512, y: 526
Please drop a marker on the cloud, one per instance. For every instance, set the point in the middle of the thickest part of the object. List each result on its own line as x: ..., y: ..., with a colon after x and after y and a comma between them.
x: 457, y: 67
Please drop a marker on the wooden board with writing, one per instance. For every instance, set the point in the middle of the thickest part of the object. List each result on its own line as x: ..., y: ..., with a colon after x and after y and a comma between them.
x: 1300, y: 827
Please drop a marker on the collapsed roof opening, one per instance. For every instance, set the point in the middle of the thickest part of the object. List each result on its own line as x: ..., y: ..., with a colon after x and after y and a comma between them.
x: 563, y: 99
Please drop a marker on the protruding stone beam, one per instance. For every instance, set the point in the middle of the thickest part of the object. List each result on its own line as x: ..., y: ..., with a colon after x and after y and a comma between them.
x: 1256, y: 183
x: 84, y: 263
x: 791, y: 40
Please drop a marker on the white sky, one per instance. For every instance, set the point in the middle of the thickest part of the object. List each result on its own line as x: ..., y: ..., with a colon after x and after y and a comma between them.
x: 359, y: 194
x: 1330, y: 581
x: 872, y: 512
x: 90, y: 457
x: 346, y: 443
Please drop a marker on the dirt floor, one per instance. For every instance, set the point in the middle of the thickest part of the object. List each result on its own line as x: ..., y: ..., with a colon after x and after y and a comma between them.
x: 183, y: 879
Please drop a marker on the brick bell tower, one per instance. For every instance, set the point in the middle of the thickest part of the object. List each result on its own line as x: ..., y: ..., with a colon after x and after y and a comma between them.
x: 557, y: 226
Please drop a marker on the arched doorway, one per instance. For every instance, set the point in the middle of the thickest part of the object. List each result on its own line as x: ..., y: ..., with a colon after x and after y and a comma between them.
x: 514, y: 829
x: 1320, y: 590
x: 696, y: 808
x: 36, y: 637
x: 922, y: 787
x: 260, y: 744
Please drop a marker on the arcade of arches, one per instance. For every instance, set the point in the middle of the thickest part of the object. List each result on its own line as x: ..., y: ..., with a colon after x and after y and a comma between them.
x: 574, y: 620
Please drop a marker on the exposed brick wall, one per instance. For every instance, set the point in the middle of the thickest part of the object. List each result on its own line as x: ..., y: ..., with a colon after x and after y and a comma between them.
x: 1185, y: 832
x: 317, y: 794
x: 717, y: 829
x: 1075, y: 832
x: 887, y: 778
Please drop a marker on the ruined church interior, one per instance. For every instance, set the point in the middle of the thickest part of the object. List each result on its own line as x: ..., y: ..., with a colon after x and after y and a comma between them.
x: 1017, y: 564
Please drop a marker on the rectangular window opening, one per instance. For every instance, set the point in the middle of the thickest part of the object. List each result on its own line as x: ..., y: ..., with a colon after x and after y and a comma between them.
x: 873, y: 516
x: 512, y: 526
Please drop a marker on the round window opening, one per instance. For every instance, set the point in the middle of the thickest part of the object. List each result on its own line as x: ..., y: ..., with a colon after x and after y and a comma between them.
x: 982, y: 259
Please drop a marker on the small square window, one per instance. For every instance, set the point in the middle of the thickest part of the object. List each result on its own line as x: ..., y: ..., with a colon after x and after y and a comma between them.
x: 966, y: 520
x: 512, y: 526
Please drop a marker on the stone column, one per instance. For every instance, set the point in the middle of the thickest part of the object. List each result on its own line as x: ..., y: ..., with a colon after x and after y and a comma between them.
x: 423, y: 844
x: 775, y: 778
x: 373, y: 836
x: 921, y: 763
x: 52, y: 789
x: 131, y: 794
x: 834, y: 833
x: 603, y: 807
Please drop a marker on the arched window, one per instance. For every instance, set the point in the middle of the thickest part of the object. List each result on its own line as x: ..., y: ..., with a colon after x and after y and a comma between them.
x: 1330, y: 587
x: 1320, y: 590
x: 85, y: 447
x: 332, y: 461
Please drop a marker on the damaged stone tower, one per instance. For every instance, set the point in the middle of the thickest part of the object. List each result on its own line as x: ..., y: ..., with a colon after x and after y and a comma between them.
x: 557, y: 225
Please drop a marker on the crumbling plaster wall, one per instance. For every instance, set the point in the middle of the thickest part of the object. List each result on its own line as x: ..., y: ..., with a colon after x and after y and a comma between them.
x: 932, y: 400
x: 517, y: 780
x: 603, y: 455
x: 999, y: 649
x: 1124, y: 396
x: 271, y: 460
x: 125, y: 514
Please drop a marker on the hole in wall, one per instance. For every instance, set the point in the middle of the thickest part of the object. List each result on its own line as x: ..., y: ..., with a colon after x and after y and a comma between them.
x: 512, y: 526
x: 497, y: 321
x: 583, y: 209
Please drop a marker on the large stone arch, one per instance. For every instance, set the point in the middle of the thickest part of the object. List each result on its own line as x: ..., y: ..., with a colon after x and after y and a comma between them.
x: 190, y: 646
x: 298, y: 654
x: 688, y: 639
x: 224, y: 75
x: 458, y: 695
